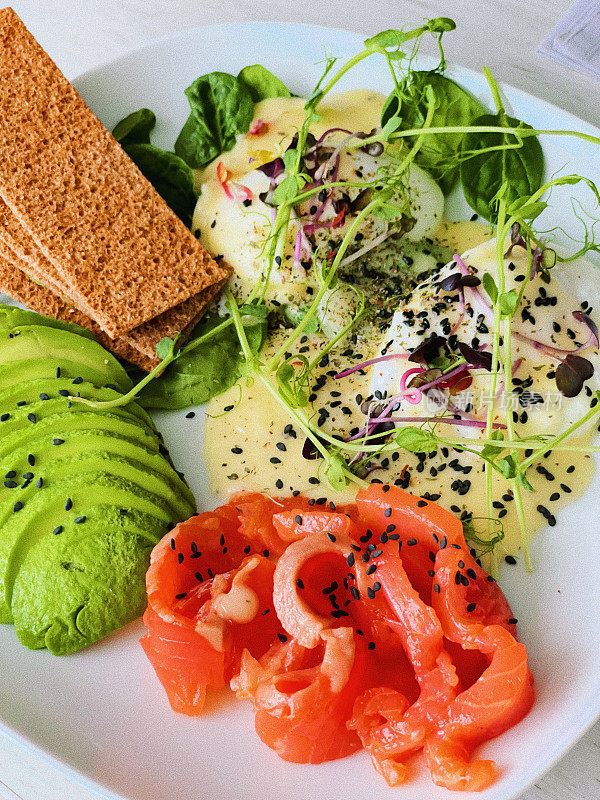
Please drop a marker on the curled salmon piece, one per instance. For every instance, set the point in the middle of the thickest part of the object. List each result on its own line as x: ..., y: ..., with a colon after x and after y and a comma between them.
x: 257, y: 515
x: 298, y: 616
x: 303, y: 696
x: 475, y: 614
x: 371, y: 624
x: 204, y: 599
x: 390, y: 733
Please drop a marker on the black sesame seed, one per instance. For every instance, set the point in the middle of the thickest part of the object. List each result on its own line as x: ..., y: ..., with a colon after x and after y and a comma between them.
x: 68, y: 504
x: 190, y: 415
x: 370, y: 593
x: 77, y: 381
x: 282, y: 637
x: 180, y: 596
x: 32, y: 418
x: 275, y: 460
x: 510, y: 559
x: 512, y: 621
x: 421, y: 503
x: 565, y: 488
x: 350, y: 560
x: 298, y: 519
x: 436, y: 588
x: 411, y: 542
x: 279, y: 483
x: 10, y: 484
x: 355, y: 593
x: 371, y: 645
x: 331, y: 537
x: 180, y: 557
x: 79, y: 520
x: 4, y: 417
x: 247, y: 549
x: 471, y: 607
x: 300, y: 583
x: 387, y: 512
x: 58, y: 441
x: 57, y: 530
x: 18, y: 506
x: 266, y: 553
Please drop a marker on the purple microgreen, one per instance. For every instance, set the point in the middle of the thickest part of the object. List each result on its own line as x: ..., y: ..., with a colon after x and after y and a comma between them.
x: 457, y: 281
x: 428, y: 350
x: 273, y: 168
x: 479, y: 359
x: 581, y: 316
x: 572, y: 373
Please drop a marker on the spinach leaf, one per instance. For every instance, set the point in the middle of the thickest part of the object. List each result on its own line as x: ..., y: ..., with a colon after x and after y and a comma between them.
x: 170, y: 176
x: 205, y: 371
x: 221, y: 108
x: 135, y: 127
x: 454, y: 106
x: 261, y: 83
x: 521, y: 170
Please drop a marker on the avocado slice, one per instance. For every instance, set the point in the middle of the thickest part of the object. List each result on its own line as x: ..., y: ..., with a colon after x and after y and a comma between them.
x: 14, y: 373
x: 29, y: 392
x: 92, y: 452
x: 55, y: 429
x: 14, y: 316
x: 76, y: 587
x: 87, y: 492
x: 71, y: 499
x: 38, y: 341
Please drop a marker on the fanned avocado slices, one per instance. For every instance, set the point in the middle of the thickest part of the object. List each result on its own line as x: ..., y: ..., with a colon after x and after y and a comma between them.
x: 86, y: 491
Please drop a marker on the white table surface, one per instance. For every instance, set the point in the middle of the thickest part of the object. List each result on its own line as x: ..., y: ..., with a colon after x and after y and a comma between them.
x: 502, y: 34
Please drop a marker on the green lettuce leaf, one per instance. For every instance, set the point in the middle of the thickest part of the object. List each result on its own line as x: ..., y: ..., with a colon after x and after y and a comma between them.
x: 206, y: 371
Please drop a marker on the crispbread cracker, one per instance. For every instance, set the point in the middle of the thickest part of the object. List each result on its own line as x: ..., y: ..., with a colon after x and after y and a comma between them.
x: 108, y: 233
x: 17, y: 249
x: 17, y: 285
x: 139, y: 349
x: 179, y: 319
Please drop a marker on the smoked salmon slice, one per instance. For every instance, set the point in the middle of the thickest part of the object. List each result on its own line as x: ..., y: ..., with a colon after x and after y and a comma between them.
x: 369, y: 626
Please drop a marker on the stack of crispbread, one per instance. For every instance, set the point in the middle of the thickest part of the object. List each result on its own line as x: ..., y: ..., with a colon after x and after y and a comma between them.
x: 83, y: 235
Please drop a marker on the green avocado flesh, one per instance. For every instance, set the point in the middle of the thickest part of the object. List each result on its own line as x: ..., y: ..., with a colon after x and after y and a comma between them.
x: 86, y: 493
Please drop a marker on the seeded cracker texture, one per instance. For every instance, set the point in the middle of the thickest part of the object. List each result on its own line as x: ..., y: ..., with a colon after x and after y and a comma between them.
x: 17, y: 285
x: 17, y: 248
x: 85, y: 204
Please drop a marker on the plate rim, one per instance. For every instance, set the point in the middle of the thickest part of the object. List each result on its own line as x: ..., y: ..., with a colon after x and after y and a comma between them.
x: 588, y: 713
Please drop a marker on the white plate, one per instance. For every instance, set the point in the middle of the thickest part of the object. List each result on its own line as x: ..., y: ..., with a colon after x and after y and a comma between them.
x: 102, y: 715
